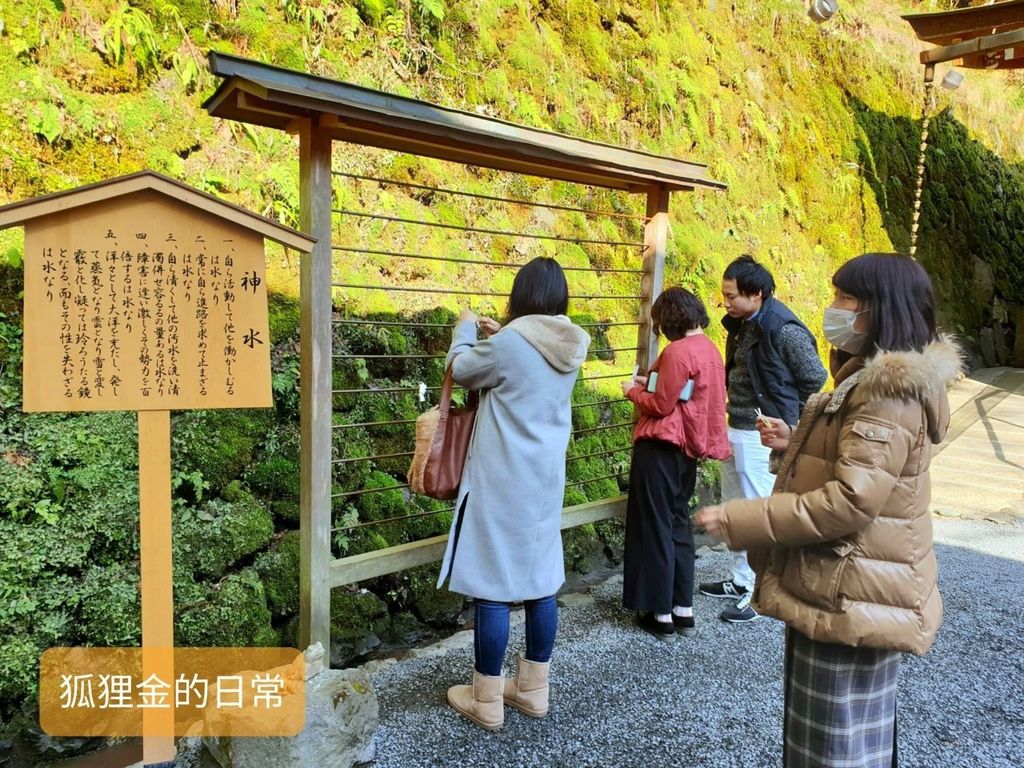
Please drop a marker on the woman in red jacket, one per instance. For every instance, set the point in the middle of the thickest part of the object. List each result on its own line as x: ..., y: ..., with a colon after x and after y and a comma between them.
x: 682, y: 419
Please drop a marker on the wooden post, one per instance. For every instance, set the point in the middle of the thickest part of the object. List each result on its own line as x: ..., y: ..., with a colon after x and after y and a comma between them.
x: 655, y: 239
x: 156, y: 579
x: 316, y: 368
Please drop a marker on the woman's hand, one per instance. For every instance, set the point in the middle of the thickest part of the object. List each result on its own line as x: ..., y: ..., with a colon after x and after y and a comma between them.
x: 636, y: 381
x: 710, y: 519
x: 489, y: 325
x: 775, y: 433
x: 467, y: 314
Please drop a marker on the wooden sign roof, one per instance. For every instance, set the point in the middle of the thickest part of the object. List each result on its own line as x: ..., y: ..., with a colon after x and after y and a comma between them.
x: 257, y: 93
x: 981, y: 37
x: 26, y: 210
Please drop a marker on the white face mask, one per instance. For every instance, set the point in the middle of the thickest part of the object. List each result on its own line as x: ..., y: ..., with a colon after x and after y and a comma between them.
x: 839, y: 330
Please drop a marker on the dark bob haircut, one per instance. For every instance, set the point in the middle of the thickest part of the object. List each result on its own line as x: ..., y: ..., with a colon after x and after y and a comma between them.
x: 898, y: 296
x: 539, y: 288
x: 677, y: 311
x: 751, y: 277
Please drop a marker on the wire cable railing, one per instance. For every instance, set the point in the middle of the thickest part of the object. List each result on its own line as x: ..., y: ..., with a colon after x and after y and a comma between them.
x: 479, y: 196
x: 477, y: 262
x: 485, y: 231
x: 459, y: 292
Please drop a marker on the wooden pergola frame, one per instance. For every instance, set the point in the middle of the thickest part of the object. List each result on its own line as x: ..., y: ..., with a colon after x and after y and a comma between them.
x: 322, y: 111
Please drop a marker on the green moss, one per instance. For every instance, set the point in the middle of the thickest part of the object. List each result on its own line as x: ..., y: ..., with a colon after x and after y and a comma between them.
x: 219, y: 443
x: 276, y: 481
x: 612, y: 534
x: 235, y: 615
x: 220, y: 533
x: 583, y: 549
x: 437, y: 607
x: 278, y: 569
x: 283, y: 316
x: 354, y: 612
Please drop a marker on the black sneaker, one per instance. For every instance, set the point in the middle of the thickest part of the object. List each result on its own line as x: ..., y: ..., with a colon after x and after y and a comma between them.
x: 728, y: 590
x: 740, y: 613
x: 663, y: 630
x: 684, y: 625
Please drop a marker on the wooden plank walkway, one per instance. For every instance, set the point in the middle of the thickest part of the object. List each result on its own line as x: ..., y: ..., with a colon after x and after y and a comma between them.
x: 978, y: 472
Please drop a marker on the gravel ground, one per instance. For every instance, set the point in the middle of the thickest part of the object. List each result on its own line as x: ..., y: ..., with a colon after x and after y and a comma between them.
x: 619, y: 697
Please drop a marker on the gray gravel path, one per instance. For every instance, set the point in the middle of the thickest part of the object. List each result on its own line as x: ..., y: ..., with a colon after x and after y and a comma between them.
x: 621, y: 698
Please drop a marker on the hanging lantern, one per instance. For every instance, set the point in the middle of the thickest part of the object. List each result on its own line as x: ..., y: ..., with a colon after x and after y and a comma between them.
x: 952, y: 80
x: 823, y: 10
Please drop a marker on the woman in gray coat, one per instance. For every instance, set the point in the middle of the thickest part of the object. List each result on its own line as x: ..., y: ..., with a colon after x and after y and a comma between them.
x: 505, y: 543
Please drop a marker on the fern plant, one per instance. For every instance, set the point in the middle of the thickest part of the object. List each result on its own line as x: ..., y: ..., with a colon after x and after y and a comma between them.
x: 129, y: 35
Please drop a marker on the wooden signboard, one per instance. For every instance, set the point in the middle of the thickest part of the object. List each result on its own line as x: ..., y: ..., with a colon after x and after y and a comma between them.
x: 144, y: 294
x: 144, y: 304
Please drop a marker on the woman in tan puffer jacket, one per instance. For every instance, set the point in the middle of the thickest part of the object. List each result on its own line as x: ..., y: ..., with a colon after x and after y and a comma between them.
x: 843, y: 547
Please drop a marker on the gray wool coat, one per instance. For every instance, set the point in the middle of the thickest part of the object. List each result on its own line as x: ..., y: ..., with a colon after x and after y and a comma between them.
x: 505, y: 542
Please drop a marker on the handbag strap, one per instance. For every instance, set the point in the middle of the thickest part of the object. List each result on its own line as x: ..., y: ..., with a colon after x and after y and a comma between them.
x: 446, y: 394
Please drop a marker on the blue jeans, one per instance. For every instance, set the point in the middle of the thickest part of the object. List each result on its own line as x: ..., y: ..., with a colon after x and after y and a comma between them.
x: 490, y: 633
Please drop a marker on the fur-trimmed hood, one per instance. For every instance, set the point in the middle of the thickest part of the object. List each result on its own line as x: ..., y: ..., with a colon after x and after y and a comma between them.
x: 903, y: 376
x: 562, y: 344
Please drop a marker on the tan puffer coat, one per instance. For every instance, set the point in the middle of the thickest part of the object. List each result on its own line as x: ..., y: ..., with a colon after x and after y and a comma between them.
x: 843, y: 548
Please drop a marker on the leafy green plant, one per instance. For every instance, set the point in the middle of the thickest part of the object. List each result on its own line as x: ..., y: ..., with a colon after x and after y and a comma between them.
x: 11, y: 346
x: 192, y: 481
x: 347, y: 22
x: 17, y: 42
x: 431, y: 10
x: 311, y: 15
x: 129, y: 35
x: 47, y: 122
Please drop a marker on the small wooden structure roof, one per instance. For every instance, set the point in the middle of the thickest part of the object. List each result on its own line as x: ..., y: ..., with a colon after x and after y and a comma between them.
x: 982, y: 37
x: 261, y: 94
x: 25, y: 210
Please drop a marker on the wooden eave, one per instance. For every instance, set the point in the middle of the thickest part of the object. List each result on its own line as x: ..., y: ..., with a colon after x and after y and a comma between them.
x: 261, y: 94
x: 947, y: 27
x: 59, y: 202
x: 981, y: 37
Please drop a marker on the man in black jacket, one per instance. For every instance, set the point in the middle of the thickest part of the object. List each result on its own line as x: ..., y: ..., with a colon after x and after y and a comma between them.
x: 772, y: 367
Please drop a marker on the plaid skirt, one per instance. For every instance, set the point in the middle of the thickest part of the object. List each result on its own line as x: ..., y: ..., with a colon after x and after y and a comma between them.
x: 840, y: 705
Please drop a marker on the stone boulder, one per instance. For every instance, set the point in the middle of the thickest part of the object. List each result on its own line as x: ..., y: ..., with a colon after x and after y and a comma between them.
x: 342, y: 716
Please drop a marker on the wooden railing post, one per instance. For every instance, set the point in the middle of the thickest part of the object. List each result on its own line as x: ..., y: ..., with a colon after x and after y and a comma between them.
x: 316, y: 363
x: 655, y: 240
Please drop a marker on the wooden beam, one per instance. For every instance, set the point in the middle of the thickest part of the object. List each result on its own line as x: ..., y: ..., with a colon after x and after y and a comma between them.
x: 946, y: 27
x: 979, y: 45
x: 315, y: 383
x: 651, y: 284
x: 381, y: 562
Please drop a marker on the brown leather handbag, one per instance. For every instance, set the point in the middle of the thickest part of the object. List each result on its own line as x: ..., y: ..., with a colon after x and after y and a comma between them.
x: 442, y: 442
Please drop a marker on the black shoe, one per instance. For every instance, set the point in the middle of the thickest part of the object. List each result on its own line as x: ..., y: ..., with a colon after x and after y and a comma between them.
x: 728, y: 590
x: 740, y: 613
x: 684, y: 625
x: 663, y: 630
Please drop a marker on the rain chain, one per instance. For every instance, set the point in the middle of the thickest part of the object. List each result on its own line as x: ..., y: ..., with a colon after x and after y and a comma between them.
x: 929, y: 104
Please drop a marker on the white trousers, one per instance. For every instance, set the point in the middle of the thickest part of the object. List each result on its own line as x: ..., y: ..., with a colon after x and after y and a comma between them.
x: 745, y: 476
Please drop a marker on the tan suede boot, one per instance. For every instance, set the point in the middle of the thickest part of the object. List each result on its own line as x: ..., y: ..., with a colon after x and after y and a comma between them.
x: 528, y: 692
x: 481, y: 701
